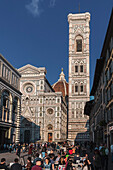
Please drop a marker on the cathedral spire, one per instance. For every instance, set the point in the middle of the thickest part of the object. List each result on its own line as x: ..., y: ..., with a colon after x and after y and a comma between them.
x: 62, y: 75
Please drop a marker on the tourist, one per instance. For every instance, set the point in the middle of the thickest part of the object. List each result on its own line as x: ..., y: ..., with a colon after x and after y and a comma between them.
x: 43, y: 151
x: 58, y: 158
x: 16, y: 165
x: 5, y: 146
x: 69, y: 164
x: 29, y: 164
x: 47, y: 164
x: 61, y: 165
x: 38, y: 165
x: 45, y: 155
x: 30, y: 150
x: 97, y: 160
x: 102, y: 153
x: 76, y: 158
x: 73, y: 150
x: 52, y: 161
x: 86, y: 165
x: 23, y: 148
x: 3, y: 164
x: 14, y: 148
x: 18, y: 151
x: 89, y: 162
x: 70, y: 151
x: 10, y: 148
x: 106, y: 157
x: 36, y: 158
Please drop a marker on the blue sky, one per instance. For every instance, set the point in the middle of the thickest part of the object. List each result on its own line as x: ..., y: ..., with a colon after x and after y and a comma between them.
x: 36, y: 32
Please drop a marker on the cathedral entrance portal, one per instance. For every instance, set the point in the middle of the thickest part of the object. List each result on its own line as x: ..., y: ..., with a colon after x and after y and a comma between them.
x: 27, y: 136
x: 50, y: 137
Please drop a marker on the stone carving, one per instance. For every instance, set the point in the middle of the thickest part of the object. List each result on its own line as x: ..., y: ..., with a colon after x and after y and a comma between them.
x: 79, y: 28
x: 79, y: 61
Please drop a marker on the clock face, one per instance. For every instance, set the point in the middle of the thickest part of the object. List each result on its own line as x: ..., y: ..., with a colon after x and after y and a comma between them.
x: 29, y: 89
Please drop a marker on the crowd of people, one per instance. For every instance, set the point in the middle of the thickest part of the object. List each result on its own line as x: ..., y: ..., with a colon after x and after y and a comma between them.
x: 63, y: 156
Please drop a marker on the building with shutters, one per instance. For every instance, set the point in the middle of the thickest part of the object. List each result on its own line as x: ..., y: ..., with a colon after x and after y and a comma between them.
x: 101, y: 109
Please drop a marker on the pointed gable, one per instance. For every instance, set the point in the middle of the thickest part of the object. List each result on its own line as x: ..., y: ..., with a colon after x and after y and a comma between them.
x: 27, y: 112
x: 29, y: 70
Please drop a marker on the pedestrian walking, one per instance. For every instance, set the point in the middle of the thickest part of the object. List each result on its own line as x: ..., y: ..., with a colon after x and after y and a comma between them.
x: 38, y: 165
x: 29, y: 164
x: 30, y: 150
x: 10, y: 148
x: 103, y: 155
x: 106, y: 157
x: 3, y: 164
x: 18, y: 151
x: 97, y: 160
x: 47, y: 164
x: 86, y: 165
x: 16, y: 165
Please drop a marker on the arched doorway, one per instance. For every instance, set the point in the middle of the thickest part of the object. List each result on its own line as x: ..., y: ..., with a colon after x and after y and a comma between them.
x: 27, y: 136
x: 26, y: 130
x: 50, y: 135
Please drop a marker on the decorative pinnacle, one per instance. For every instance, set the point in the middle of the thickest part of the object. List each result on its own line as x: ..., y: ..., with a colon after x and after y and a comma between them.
x: 62, y: 75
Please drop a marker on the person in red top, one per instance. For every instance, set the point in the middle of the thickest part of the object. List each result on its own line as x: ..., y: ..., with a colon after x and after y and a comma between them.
x: 30, y: 150
x: 37, y: 166
x: 70, y: 151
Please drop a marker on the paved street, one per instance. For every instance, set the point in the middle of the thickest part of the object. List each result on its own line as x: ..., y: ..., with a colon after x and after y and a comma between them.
x: 11, y: 156
x: 110, y: 164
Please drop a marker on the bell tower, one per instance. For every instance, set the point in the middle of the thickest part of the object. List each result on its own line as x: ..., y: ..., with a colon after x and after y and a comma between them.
x: 79, y: 78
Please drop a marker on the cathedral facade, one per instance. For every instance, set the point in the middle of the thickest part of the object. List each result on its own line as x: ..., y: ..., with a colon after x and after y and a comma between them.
x: 79, y: 84
x: 43, y: 108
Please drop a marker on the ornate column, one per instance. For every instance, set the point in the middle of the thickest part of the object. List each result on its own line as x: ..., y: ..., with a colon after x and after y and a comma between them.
x: 10, y: 110
x: 18, y: 122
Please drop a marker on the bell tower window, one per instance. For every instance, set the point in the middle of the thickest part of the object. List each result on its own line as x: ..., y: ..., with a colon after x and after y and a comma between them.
x: 79, y: 45
x: 76, y: 69
x: 76, y: 88
x: 81, y: 88
x: 81, y: 68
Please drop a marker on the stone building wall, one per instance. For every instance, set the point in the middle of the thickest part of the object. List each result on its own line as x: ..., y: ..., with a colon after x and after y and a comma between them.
x: 10, y: 103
